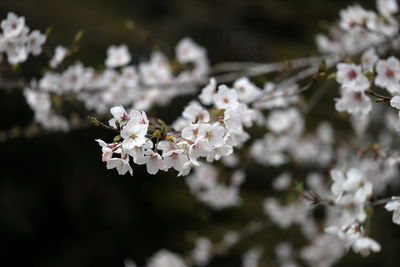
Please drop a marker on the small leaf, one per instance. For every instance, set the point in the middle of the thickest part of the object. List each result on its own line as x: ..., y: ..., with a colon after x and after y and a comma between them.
x: 49, y: 30
x: 78, y: 36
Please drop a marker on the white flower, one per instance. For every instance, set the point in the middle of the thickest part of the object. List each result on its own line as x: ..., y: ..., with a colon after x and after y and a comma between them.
x: 252, y: 257
x: 325, y: 250
x: 156, y: 71
x: 351, y: 77
x: 355, y: 17
x: 166, y: 146
x: 199, y: 148
x: 207, y: 94
x: 106, y: 149
x: 352, y: 210
x: 394, y: 205
x: 188, y: 166
x: 233, y: 120
x: 388, y: 75
x: 188, y: 51
x: 17, y: 54
x: 154, y: 161
x: 119, y: 115
x: 193, y: 131
x: 214, y: 134
x: 338, y: 180
x: 76, y: 77
x: 356, y: 182
x: 134, y: 135
x: 226, y: 98
x: 35, y: 42
x: 354, y: 102
x: 395, y: 101
x: 122, y: 164
x: 176, y: 159
x: 195, y: 112
x: 13, y: 25
x: 282, y: 182
x: 217, y: 152
x: 347, y: 233
x: 138, y: 117
x: 289, y: 120
x: 247, y: 90
x: 165, y: 258
x: 220, y: 197
x: 117, y: 56
x: 60, y: 53
x: 365, y: 245
x: 387, y: 7
x: 202, y: 252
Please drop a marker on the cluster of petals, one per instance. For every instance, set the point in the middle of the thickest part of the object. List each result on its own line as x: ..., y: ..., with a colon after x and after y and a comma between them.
x: 140, y: 87
x: 353, y: 86
x: 360, y: 28
x: 195, y: 136
x: 17, y: 41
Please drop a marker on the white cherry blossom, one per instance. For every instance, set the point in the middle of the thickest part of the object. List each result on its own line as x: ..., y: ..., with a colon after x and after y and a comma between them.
x: 365, y: 245
x: 351, y: 77
x: 176, y: 159
x: 388, y: 75
x: 59, y: 54
x: 166, y: 258
x: 395, y: 101
x: 13, y: 25
x: 207, y: 93
x: 394, y: 205
x: 247, y: 91
x: 154, y: 161
x: 133, y: 134
x: 354, y: 102
x: 387, y: 7
x: 226, y: 98
x: 35, y: 41
x: 117, y: 56
x: 121, y: 164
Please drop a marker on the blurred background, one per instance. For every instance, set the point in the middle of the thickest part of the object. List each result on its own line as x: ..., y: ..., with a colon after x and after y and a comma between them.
x: 60, y: 206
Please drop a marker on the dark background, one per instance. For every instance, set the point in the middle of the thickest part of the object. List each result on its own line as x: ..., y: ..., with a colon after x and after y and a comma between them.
x: 59, y: 206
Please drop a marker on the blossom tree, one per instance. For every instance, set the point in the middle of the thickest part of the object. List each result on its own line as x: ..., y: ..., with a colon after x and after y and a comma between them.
x: 213, y: 142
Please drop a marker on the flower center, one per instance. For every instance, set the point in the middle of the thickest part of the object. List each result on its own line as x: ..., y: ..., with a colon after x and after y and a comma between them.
x: 352, y: 24
x: 357, y: 96
x: 352, y: 75
x: 389, y: 73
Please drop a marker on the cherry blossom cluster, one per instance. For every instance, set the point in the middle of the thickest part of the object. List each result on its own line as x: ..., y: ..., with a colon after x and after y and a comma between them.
x: 357, y: 80
x: 140, y: 87
x: 197, y: 134
x: 204, y: 185
x: 359, y: 29
x: 125, y: 84
x: 17, y: 41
